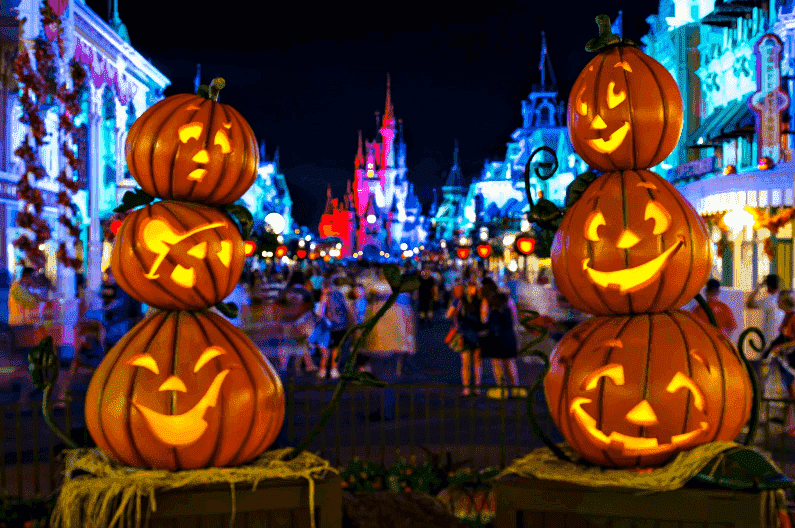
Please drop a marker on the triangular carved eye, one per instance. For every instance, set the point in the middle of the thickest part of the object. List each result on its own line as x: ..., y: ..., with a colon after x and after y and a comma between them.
x: 199, y: 251
x: 225, y: 253
x: 184, y: 277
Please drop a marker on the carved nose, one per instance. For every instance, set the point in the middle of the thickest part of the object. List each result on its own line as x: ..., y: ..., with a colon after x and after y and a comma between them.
x: 173, y: 383
x: 627, y: 239
x: 642, y: 414
x: 598, y: 123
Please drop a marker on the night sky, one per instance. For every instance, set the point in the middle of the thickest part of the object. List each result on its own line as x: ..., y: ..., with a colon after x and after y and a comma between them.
x: 308, y: 77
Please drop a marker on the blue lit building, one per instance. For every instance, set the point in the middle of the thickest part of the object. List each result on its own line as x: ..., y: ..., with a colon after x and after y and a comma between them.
x: 709, y: 48
x: 121, y: 85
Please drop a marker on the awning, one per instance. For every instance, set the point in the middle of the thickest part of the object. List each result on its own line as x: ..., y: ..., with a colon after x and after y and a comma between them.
x: 733, y: 120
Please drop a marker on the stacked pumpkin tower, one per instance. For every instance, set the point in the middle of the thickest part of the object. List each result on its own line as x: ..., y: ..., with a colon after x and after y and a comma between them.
x: 642, y: 380
x: 185, y: 389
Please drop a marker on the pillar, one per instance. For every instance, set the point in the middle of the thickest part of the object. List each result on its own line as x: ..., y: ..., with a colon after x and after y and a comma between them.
x: 121, y: 137
x: 95, y: 235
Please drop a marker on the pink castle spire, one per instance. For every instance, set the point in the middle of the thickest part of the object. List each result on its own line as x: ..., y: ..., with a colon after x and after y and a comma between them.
x: 360, y: 153
x: 389, y: 112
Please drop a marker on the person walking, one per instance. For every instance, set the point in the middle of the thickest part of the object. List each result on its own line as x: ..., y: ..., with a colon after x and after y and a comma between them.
x: 465, y: 311
x: 772, y: 316
x: 500, y: 344
x: 335, y: 310
x: 723, y: 314
x: 425, y: 294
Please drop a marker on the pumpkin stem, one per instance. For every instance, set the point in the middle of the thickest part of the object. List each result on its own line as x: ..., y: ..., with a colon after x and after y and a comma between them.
x: 215, y: 87
x: 606, y: 36
x: 203, y: 91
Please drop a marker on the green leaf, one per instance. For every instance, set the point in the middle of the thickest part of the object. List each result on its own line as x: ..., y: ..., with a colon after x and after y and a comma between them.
x: 228, y: 309
x: 243, y: 217
x: 392, y: 275
x: 133, y: 199
x: 363, y: 379
x: 43, y: 363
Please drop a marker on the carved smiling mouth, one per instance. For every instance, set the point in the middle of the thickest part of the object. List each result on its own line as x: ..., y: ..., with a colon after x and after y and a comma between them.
x: 183, y: 429
x: 632, y: 279
x: 606, y: 146
x: 629, y: 445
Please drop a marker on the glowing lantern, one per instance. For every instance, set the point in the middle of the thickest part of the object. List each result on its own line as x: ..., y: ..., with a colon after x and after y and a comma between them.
x: 312, y: 255
x: 276, y: 221
x: 765, y: 163
x: 625, y: 109
x: 525, y: 244
x: 636, y: 390
x: 184, y: 390
x: 193, y: 148
x: 630, y: 244
x: 484, y: 250
x: 730, y: 169
x: 178, y: 255
x: 462, y: 252
x: 249, y: 247
x: 301, y: 253
x: 280, y: 251
x: 114, y: 226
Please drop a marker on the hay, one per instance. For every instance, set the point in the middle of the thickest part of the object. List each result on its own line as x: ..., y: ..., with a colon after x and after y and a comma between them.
x: 543, y: 464
x: 110, y: 494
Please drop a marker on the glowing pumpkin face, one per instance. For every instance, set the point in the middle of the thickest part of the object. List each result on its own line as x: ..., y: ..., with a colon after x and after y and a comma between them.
x: 189, y: 148
x: 178, y: 256
x: 630, y: 244
x: 636, y: 390
x: 184, y: 390
x: 625, y: 111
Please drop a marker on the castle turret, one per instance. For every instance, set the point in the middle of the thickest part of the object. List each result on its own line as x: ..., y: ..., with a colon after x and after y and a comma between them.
x: 388, y: 130
x: 359, y: 163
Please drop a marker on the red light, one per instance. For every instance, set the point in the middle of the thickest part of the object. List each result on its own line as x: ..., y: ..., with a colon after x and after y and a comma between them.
x: 462, y: 252
x: 525, y: 245
x: 312, y: 256
x: 301, y: 253
x: 249, y: 247
x: 280, y: 251
x: 114, y: 226
x: 484, y: 250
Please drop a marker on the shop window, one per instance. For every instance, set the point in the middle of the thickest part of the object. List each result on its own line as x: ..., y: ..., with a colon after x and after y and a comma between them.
x: 109, y: 137
x: 746, y: 153
x: 782, y: 258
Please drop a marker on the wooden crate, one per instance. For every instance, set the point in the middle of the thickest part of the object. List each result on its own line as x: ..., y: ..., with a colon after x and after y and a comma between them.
x: 537, y: 503
x: 275, y: 503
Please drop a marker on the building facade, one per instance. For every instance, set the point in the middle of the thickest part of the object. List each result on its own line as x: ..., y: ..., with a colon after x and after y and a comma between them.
x: 121, y: 85
x: 734, y: 64
x: 380, y: 211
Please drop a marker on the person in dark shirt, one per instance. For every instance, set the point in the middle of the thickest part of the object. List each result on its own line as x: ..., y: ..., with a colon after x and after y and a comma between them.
x: 425, y: 294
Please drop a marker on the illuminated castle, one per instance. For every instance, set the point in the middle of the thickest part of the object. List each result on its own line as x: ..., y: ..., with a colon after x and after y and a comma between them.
x: 380, y: 211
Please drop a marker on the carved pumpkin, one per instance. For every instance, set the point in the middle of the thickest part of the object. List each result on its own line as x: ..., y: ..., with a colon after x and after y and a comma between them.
x: 178, y: 255
x: 635, y: 390
x: 192, y: 148
x: 184, y: 390
x: 625, y: 111
x: 630, y: 244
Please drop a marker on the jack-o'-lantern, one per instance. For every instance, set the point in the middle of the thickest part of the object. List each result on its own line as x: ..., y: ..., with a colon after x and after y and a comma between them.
x: 634, y: 390
x: 192, y: 148
x: 624, y: 111
x: 178, y: 255
x: 184, y: 390
x: 630, y: 244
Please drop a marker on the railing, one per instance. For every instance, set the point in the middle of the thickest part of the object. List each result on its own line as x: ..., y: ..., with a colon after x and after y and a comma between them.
x: 480, y: 430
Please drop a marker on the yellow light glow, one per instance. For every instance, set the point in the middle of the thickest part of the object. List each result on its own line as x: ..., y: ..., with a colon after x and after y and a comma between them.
x: 614, y: 99
x: 198, y: 251
x: 225, y: 254
x: 613, y: 371
x: 222, y: 140
x: 197, y: 174
x: 173, y: 383
x: 737, y: 219
x: 144, y: 360
x: 595, y: 220
x: 210, y: 353
x: 662, y: 219
x: 189, y: 131
x: 680, y: 380
x: 201, y: 157
x: 642, y: 414
x: 611, y: 143
x: 184, y: 277
x: 627, y: 239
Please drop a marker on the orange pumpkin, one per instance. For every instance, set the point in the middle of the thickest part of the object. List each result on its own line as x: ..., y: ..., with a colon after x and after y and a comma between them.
x: 473, y: 505
x: 624, y: 111
x: 633, y: 391
x: 192, y: 148
x: 630, y: 244
x: 178, y: 255
x: 184, y: 390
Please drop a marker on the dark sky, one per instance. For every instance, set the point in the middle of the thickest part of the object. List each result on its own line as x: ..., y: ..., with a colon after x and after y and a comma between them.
x: 307, y: 76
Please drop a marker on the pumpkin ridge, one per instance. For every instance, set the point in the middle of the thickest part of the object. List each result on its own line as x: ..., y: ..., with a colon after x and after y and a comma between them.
x: 155, y: 174
x: 596, y: 90
x: 253, y: 152
x: 132, y: 388
x: 206, y: 143
x: 256, y: 410
x: 130, y: 147
x: 664, y: 99
x: 625, y: 218
x: 100, y: 393
x: 631, y: 110
x: 173, y: 208
x: 211, y: 198
x: 642, y: 174
x: 644, y: 383
x: 688, y: 347
x: 678, y: 199
x: 214, y: 282
x: 177, y: 463
x: 592, y: 287
x: 603, y: 382
x: 175, y: 154
x: 136, y: 228
x: 723, y: 386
